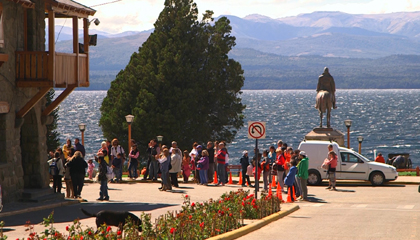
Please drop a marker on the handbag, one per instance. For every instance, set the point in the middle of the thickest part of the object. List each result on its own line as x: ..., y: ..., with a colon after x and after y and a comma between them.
x: 199, y: 166
x: 109, y: 173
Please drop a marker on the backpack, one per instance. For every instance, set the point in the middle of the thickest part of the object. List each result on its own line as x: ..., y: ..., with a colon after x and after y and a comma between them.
x: 109, y: 173
x: 53, y: 168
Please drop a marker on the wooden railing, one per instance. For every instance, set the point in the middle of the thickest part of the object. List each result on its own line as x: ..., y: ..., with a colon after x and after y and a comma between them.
x: 32, y: 70
x: 32, y: 66
x: 417, y: 170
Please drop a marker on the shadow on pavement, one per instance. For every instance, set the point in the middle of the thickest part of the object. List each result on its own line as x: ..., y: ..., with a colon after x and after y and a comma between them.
x: 73, y: 212
x: 316, y: 200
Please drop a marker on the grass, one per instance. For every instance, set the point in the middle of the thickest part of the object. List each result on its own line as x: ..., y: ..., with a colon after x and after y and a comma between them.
x: 406, y: 173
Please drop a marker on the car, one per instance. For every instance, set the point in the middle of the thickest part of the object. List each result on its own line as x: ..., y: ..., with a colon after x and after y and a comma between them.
x: 350, y: 164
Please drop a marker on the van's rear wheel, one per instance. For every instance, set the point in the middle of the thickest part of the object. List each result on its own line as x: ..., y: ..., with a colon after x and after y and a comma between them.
x: 314, y: 178
x: 377, y: 178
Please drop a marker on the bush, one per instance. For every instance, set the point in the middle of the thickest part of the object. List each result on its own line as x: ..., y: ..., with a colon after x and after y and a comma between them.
x: 195, y: 220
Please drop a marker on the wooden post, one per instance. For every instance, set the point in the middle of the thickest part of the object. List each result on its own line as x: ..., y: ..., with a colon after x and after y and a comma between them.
x: 417, y: 171
x: 51, y: 46
x: 25, y: 29
x: 58, y: 100
x: 86, y: 46
x: 28, y: 106
x: 76, y: 48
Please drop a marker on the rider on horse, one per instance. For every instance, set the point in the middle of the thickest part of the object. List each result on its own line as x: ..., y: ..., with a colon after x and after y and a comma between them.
x: 326, y: 83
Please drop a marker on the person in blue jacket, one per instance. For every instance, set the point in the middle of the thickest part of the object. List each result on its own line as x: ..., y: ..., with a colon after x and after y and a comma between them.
x: 290, y: 178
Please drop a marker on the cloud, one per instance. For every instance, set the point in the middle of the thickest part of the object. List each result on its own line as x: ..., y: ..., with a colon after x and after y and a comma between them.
x: 139, y: 15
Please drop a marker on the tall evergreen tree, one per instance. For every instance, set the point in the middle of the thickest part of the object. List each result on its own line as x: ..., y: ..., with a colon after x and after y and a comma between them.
x: 180, y: 84
x: 53, y: 141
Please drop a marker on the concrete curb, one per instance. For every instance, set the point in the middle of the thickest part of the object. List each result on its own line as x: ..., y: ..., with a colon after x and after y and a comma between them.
x: 43, y: 207
x: 255, y: 225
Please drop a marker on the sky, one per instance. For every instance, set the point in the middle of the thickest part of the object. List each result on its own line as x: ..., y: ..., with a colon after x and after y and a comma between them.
x: 140, y: 15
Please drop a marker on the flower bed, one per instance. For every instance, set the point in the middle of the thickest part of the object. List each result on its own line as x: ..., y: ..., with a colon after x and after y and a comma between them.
x: 195, y: 220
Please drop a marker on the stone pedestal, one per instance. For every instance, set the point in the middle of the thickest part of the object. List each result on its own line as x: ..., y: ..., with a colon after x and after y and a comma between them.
x: 326, y: 134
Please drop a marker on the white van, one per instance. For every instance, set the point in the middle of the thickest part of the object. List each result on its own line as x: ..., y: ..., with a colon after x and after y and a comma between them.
x: 350, y: 166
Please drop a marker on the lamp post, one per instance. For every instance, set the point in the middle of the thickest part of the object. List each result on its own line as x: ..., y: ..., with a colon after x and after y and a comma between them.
x: 129, y: 119
x: 360, y: 140
x: 348, y: 125
x: 160, y: 138
x: 82, y: 128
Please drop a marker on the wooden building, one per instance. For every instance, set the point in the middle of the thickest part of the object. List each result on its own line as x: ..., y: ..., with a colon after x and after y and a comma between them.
x: 27, y: 72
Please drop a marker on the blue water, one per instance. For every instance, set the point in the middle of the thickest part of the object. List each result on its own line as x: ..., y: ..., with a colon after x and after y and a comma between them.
x: 388, y: 120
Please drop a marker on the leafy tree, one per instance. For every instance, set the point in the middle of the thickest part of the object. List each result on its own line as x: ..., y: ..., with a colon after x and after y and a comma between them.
x: 53, y: 141
x: 180, y: 84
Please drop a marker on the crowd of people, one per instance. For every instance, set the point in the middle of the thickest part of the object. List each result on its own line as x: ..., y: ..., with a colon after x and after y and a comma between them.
x: 283, y: 164
x: 68, y: 162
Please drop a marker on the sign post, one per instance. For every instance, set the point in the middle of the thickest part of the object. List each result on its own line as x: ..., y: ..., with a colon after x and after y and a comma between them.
x: 256, y: 130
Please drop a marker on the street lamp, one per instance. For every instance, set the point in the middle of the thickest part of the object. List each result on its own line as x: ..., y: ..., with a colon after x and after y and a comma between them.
x: 360, y: 140
x: 82, y: 128
x: 348, y: 125
x: 129, y: 119
x: 159, y: 139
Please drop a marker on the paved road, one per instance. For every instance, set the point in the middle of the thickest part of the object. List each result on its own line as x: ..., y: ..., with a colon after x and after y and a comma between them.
x: 353, y: 212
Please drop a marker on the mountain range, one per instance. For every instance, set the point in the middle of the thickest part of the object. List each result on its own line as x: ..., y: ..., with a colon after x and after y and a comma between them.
x: 326, y: 37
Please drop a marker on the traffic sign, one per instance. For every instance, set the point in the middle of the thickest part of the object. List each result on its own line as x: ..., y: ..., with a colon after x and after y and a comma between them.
x: 256, y: 130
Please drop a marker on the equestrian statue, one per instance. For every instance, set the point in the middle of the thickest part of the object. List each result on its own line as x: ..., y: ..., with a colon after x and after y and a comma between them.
x: 325, y: 97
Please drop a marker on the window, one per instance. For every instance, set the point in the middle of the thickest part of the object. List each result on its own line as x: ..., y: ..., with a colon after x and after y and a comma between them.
x: 347, y: 157
x: 1, y: 27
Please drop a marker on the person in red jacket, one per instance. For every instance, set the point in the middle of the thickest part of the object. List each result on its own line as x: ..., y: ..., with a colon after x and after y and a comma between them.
x: 221, y: 162
x: 280, y: 161
x: 380, y: 158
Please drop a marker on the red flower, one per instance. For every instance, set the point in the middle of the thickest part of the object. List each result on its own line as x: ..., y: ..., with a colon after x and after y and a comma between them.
x: 240, y: 211
x: 193, y: 204
x: 89, y: 233
x: 243, y: 204
x: 173, y: 230
x: 67, y: 228
x: 119, y: 232
x: 190, y: 217
x: 108, y: 228
x: 220, y: 201
x: 202, y: 225
x: 81, y: 237
x: 56, y: 234
x: 217, y: 230
x: 230, y: 214
x: 186, y: 196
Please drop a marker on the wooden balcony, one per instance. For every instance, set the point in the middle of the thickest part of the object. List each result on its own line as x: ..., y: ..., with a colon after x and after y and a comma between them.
x: 32, y: 70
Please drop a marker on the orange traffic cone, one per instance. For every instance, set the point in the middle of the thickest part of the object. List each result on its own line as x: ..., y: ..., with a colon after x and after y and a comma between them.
x: 215, y: 178
x: 289, y: 196
x: 273, y: 182
x: 230, y: 178
x: 240, y: 178
x: 294, y: 193
x: 270, y: 192
x: 279, y: 192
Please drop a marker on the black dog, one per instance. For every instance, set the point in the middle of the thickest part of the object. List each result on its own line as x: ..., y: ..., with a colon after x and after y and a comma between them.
x: 114, y: 218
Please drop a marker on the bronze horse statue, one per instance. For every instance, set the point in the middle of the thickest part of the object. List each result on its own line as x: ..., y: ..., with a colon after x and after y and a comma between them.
x: 324, y: 104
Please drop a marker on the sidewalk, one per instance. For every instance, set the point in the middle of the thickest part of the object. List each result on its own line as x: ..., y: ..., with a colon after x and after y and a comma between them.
x: 14, y: 208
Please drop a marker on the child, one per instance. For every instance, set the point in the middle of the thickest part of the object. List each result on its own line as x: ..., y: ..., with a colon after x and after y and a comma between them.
x: 265, y: 167
x: 91, y: 166
x: 116, y: 166
x: 102, y: 178
x: 290, y: 178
